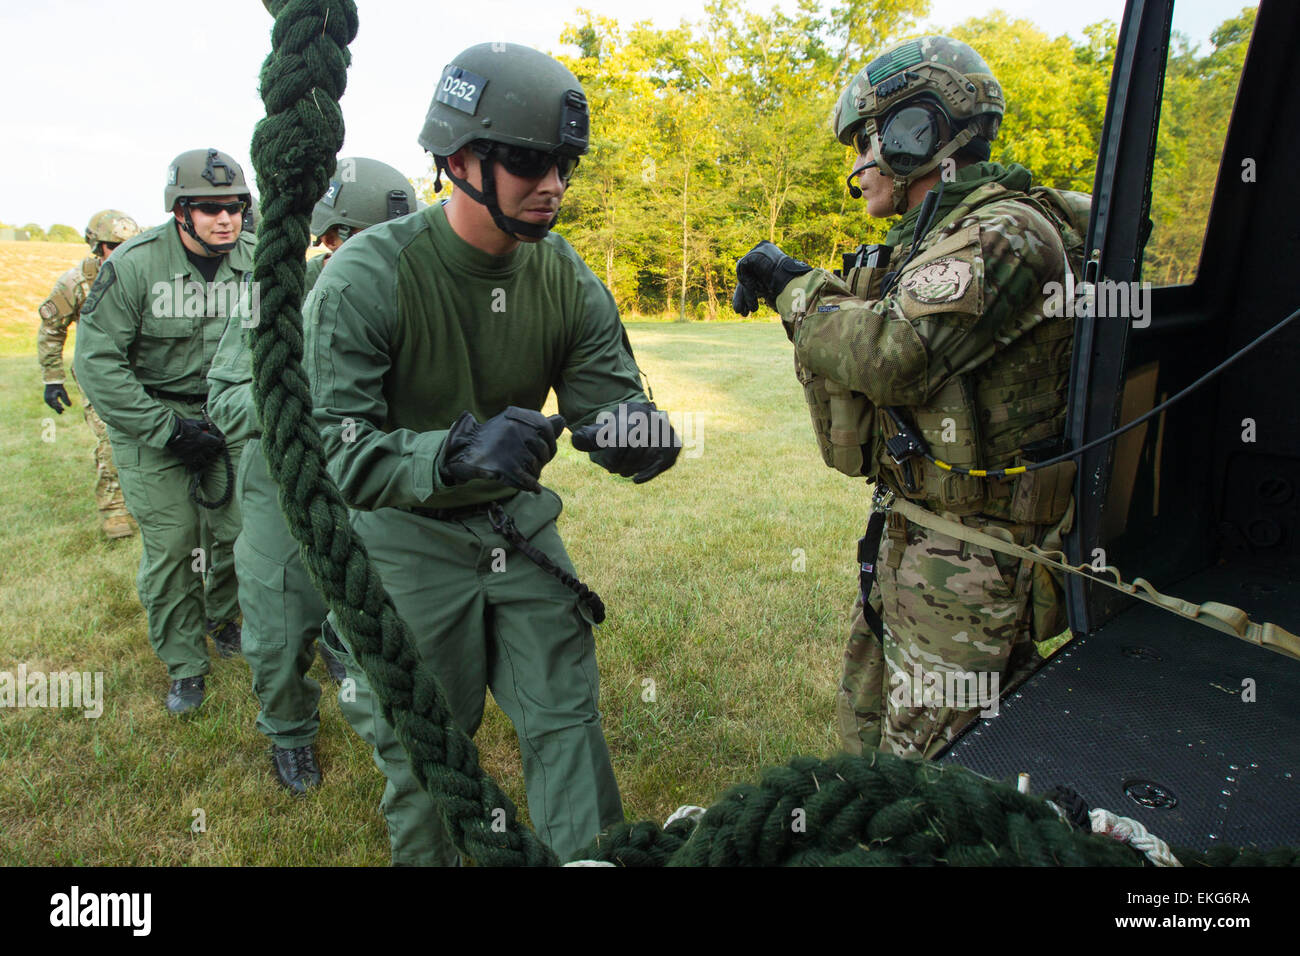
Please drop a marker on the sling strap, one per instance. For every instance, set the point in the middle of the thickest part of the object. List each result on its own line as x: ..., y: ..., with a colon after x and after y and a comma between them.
x: 1222, y: 617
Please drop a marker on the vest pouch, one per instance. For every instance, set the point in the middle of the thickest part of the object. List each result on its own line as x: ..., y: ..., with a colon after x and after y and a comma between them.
x: 1042, y: 496
x: 865, y: 281
x: 819, y: 407
x: 852, y: 430
x: 948, y: 426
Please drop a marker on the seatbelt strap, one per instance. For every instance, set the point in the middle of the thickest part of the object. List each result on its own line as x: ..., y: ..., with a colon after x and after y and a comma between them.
x: 1222, y: 617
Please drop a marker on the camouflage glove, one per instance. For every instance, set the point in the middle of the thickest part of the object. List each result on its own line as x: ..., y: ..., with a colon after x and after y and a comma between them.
x: 763, y: 272
x: 510, y: 448
x: 194, y: 444
x: 640, y: 461
x: 57, y: 393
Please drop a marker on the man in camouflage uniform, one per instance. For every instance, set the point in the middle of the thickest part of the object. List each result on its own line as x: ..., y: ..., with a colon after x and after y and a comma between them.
x: 940, y: 335
x: 282, y: 611
x: 148, y: 331
x: 107, y: 230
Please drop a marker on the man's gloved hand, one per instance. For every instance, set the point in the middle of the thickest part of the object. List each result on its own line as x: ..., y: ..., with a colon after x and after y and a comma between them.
x: 653, y: 454
x: 57, y: 393
x: 195, y: 443
x: 763, y: 272
x: 510, y: 448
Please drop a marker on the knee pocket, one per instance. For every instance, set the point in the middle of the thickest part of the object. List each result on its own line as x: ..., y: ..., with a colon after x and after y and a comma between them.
x: 261, y: 597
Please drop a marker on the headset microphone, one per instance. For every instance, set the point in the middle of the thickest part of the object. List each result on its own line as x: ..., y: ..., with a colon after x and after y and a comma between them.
x: 854, y: 189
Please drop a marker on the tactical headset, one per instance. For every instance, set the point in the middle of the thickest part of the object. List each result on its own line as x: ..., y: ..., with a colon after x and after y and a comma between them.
x: 912, y: 141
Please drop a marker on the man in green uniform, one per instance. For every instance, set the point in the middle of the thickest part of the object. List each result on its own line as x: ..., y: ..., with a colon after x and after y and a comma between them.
x: 362, y: 193
x: 940, y: 335
x: 149, y: 328
x: 108, y: 229
x: 282, y: 611
x: 431, y: 344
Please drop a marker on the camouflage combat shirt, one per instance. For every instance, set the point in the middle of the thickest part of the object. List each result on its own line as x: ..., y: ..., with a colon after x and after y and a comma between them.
x: 58, y: 312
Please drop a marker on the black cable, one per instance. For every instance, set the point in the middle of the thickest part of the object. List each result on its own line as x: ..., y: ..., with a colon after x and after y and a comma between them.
x: 1110, y: 436
x: 196, y: 476
x: 505, y: 526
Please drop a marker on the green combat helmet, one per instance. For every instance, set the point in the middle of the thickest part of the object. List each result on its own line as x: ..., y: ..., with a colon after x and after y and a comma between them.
x: 202, y: 173
x: 111, y: 226
x: 917, y: 104
x: 514, y: 106
x: 362, y: 193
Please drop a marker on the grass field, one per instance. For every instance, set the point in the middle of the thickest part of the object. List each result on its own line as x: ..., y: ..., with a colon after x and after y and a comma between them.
x: 728, y: 581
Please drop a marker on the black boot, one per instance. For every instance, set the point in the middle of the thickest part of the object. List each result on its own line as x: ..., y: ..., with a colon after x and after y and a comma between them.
x: 333, y: 666
x: 296, y: 768
x: 185, y: 695
x: 226, y: 639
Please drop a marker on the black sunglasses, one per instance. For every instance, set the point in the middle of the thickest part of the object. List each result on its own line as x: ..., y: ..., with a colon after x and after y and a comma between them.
x: 533, y: 163
x: 217, y: 208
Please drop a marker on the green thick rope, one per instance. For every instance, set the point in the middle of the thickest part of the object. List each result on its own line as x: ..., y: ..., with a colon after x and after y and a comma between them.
x: 874, y: 810
x: 294, y: 150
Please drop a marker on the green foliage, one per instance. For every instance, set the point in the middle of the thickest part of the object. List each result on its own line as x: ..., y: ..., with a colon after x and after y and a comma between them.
x: 34, y: 232
x: 63, y: 233
x: 1198, y: 97
x: 1055, y: 92
x: 709, y: 137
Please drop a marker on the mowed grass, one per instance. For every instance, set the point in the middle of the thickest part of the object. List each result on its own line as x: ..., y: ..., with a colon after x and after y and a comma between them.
x: 728, y: 582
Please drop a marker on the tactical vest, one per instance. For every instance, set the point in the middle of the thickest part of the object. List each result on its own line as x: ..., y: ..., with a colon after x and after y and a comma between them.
x: 1009, y: 411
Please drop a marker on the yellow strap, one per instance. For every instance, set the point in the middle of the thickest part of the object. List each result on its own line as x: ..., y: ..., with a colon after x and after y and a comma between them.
x: 1222, y: 617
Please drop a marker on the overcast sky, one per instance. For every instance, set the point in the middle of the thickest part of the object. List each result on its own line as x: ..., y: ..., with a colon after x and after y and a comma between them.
x: 99, y: 97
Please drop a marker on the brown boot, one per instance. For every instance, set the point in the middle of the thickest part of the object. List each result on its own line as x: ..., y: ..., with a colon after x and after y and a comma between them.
x: 118, y: 526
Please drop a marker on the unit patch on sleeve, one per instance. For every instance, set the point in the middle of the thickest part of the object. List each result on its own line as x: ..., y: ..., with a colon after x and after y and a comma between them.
x: 944, y: 280
x: 107, y: 276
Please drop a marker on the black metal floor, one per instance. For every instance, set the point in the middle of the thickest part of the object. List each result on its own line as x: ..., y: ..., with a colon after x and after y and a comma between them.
x: 1146, y: 718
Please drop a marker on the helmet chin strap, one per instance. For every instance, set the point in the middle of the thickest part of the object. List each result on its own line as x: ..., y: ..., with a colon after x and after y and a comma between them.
x: 220, y: 249
x: 488, y: 197
x: 902, y: 182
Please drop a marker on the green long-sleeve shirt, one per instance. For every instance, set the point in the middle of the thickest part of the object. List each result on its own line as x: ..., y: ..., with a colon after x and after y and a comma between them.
x: 410, y: 326
x: 151, y: 323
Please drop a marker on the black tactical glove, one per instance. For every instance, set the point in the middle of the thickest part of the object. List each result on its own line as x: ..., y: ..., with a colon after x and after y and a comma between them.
x: 196, y: 443
x: 56, y: 393
x: 763, y: 272
x: 510, y: 448
x: 651, y: 455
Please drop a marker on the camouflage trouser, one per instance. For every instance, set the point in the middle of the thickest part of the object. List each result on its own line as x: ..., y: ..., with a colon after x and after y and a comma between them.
x: 956, y: 619
x: 108, y: 492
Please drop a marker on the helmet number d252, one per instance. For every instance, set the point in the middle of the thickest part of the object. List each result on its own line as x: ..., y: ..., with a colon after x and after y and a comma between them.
x: 460, y: 89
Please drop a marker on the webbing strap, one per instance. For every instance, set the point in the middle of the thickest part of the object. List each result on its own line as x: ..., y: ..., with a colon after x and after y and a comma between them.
x: 868, y: 553
x: 1222, y: 617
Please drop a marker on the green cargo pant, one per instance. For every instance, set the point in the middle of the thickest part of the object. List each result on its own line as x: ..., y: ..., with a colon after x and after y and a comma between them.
x: 184, y: 547
x: 490, y: 618
x: 282, y: 611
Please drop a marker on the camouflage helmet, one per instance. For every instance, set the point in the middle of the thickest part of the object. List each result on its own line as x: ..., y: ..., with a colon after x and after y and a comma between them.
x: 110, y: 225
x: 941, y: 68
x: 204, y: 172
x: 362, y: 193
x: 510, y: 94
x: 937, y: 93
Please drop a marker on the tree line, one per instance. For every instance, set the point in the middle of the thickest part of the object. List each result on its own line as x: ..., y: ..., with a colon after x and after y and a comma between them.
x: 709, y: 137
x: 57, y: 233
